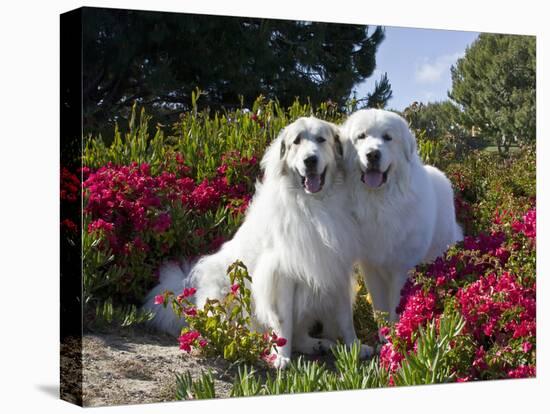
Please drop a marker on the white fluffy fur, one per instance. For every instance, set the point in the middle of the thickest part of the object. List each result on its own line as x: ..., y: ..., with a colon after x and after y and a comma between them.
x: 298, y: 246
x: 409, y: 218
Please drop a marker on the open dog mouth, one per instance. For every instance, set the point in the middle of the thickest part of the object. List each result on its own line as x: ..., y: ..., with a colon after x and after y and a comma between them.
x: 312, y: 182
x: 374, y: 178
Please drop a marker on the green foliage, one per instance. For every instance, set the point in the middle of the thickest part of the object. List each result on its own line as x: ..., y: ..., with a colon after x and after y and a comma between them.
x: 124, y: 315
x: 440, y: 132
x: 158, y: 59
x: 490, y: 185
x: 364, y: 317
x: 202, y: 138
x: 300, y: 376
x: 202, y: 388
x: 495, y: 83
x: 432, y: 362
x: 436, y: 119
x: 430, y: 151
x: 225, y: 324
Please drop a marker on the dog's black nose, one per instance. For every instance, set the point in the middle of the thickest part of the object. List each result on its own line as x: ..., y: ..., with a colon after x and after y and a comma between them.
x: 311, y: 161
x: 373, y: 156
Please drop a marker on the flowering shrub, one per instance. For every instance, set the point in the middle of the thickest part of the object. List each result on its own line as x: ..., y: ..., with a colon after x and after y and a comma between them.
x: 222, y: 327
x: 486, y: 184
x: 490, y: 281
x: 140, y: 219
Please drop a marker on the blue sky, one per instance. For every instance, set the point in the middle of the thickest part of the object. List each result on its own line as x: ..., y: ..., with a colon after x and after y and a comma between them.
x: 418, y: 63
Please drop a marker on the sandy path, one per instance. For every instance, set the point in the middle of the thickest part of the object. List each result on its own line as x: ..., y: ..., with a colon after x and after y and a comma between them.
x: 140, y: 367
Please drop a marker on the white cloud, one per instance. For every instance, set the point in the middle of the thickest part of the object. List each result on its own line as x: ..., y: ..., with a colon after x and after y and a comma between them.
x: 433, y: 71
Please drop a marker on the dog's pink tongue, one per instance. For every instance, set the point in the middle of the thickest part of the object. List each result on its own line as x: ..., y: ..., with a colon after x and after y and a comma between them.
x: 313, y: 183
x: 372, y: 178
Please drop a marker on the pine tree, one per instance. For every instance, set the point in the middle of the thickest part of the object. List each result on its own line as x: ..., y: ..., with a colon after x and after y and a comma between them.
x: 495, y: 83
x: 158, y: 59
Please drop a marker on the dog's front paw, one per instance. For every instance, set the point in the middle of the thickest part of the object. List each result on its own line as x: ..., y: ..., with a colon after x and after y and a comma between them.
x: 323, y: 346
x: 281, y: 362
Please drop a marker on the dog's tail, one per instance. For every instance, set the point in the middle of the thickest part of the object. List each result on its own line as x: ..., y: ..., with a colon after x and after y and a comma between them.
x: 173, y: 276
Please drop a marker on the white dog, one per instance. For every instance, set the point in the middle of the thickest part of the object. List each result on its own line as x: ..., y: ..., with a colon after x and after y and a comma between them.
x: 296, y: 241
x: 405, y: 209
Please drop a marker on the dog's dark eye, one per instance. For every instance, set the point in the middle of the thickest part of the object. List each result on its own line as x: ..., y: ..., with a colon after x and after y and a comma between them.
x: 361, y: 136
x: 386, y: 137
x: 320, y: 140
x: 297, y: 140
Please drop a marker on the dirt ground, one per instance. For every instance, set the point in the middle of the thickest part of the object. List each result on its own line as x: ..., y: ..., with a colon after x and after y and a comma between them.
x: 135, y: 367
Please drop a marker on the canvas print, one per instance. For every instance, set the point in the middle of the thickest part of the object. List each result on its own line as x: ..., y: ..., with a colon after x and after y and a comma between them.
x: 252, y: 206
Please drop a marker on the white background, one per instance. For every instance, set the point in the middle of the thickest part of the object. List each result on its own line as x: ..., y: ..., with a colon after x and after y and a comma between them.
x: 29, y: 224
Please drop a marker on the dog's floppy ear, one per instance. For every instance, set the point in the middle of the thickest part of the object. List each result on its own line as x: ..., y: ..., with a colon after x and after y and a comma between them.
x: 409, y: 142
x: 338, y: 146
x: 336, y: 136
x: 273, y: 161
x: 349, y: 154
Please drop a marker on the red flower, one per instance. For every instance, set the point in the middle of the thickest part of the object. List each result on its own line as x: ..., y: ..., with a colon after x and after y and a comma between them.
x: 100, y: 224
x: 235, y: 288
x: 187, y: 292
x: 159, y: 300
x: 280, y: 342
x: 187, y: 340
x: 523, y: 371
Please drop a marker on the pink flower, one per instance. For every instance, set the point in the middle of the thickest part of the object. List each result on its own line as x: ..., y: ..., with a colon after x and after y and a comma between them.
x: 527, y: 225
x: 269, y: 358
x: 235, y: 288
x: 203, y: 343
x: 159, y: 300
x: 390, y: 358
x: 187, y: 340
x: 187, y: 292
x: 100, y: 224
x: 190, y: 311
x: 280, y: 342
x: 384, y: 331
x: 523, y: 371
x: 526, y: 347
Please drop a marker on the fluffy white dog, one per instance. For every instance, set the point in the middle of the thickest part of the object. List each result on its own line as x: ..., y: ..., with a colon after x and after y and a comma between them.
x: 405, y: 209
x: 296, y: 241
